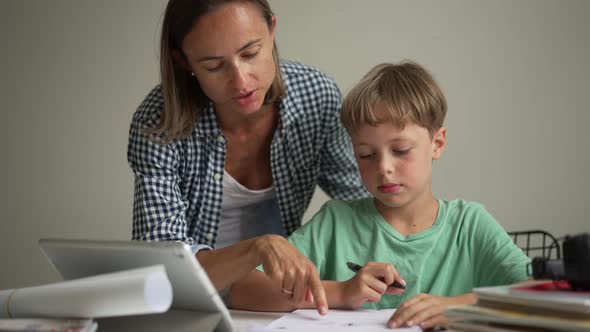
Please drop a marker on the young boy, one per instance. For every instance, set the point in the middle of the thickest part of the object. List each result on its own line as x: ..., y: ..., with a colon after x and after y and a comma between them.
x: 439, y: 250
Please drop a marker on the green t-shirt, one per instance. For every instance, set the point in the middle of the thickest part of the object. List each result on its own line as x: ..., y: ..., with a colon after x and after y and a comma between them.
x: 464, y: 248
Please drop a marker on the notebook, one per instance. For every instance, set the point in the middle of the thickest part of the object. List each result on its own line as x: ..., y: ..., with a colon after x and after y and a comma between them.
x: 192, y: 289
x: 483, y: 315
x: 538, y: 295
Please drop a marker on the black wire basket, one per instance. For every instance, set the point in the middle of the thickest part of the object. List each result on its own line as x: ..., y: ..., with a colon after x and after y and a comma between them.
x: 537, y: 243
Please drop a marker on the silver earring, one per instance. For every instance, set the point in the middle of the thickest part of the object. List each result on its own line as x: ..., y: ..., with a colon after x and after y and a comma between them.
x: 192, y: 74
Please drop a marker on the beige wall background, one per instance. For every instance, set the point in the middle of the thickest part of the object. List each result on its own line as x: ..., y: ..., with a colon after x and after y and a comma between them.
x: 73, y: 72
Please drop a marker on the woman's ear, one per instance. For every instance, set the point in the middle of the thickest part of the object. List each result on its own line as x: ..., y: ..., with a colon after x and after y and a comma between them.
x: 439, y: 141
x: 181, y: 60
x: 273, y: 28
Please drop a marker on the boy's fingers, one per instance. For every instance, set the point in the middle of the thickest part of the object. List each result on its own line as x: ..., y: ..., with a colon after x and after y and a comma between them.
x: 377, y: 285
x: 373, y: 296
x: 394, y: 290
x: 439, y: 320
x: 399, y: 278
x: 406, y: 312
x: 396, y: 276
x: 318, y: 293
x: 410, y: 302
x: 389, y: 273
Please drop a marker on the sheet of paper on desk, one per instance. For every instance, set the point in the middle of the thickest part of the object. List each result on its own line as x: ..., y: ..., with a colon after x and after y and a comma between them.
x: 308, y: 320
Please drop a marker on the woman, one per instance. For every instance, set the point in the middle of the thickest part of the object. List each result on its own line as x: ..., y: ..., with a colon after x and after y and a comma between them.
x: 228, y: 149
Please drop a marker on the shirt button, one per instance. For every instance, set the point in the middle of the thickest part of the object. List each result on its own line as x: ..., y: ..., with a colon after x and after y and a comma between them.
x: 209, y: 236
x: 220, y: 139
x: 217, y: 177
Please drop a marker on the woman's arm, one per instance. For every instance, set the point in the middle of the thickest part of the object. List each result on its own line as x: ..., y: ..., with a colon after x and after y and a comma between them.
x: 339, y: 176
x: 159, y: 209
x: 257, y: 292
x: 285, y: 268
x: 227, y: 265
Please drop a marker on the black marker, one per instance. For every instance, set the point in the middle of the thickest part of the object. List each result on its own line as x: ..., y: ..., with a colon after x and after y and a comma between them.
x: 355, y: 268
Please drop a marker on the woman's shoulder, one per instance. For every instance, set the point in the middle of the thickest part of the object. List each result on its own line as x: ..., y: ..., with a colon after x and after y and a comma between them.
x: 291, y: 67
x: 300, y: 77
x: 147, y: 117
x: 149, y: 111
x: 311, y: 94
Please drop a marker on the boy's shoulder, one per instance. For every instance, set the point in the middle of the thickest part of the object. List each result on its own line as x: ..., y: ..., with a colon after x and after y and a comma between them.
x: 469, y: 215
x: 341, y: 211
x: 462, y: 206
x: 335, y: 219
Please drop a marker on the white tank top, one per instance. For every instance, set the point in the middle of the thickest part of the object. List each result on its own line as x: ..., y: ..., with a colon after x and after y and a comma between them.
x: 246, y: 213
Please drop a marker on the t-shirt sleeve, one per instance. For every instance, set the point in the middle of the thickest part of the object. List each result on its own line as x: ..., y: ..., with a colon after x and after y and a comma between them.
x: 314, y: 238
x: 496, y: 259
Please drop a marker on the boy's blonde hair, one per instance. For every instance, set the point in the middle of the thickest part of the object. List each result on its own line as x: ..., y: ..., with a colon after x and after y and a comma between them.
x: 407, y: 91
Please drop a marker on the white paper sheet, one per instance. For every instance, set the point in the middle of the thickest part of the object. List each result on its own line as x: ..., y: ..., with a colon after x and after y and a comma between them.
x: 308, y: 320
x: 131, y: 292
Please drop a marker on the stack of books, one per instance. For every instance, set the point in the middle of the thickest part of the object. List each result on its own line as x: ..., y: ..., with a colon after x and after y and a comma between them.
x: 540, y: 306
x: 48, y: 325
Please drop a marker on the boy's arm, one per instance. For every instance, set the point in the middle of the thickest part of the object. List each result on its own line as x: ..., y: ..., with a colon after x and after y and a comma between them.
x: 257, y: 292
x: 427, y: 310
x: 495, y: 257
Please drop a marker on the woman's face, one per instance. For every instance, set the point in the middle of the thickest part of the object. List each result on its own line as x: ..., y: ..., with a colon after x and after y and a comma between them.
x: 230, y: 52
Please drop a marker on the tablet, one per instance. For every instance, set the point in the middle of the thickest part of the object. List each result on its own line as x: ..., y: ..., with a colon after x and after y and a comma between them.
x: 192, y: 289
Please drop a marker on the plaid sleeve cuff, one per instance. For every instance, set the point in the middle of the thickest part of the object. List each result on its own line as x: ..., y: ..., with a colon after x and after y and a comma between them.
x: 198, y: 247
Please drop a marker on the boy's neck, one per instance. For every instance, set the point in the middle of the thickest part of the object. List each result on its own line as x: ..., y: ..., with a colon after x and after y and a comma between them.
x: 412, y: 218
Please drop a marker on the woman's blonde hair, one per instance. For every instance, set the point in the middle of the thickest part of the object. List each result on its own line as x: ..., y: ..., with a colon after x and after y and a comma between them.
x: 183, y: 97
x: 407, y: 91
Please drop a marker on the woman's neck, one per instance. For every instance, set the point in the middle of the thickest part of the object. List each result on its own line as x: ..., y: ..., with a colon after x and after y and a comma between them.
x: 263, y: 121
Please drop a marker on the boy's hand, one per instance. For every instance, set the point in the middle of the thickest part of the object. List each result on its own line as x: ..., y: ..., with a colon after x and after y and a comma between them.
x: 369, y: 284
x: 426, y: 310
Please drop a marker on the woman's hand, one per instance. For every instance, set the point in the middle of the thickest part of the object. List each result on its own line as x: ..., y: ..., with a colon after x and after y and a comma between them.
x: 426, y: 310
x: 291, y: 271
x: 369, y: 284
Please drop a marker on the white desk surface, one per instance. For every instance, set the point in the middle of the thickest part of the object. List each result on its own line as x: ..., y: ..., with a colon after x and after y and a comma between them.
x: 242, y: 318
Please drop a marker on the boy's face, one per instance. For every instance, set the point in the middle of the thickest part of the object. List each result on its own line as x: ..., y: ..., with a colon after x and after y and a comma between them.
x: 396, y: 164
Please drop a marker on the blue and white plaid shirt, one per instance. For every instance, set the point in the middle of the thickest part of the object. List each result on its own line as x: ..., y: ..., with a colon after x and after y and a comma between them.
x: 178, y: 186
